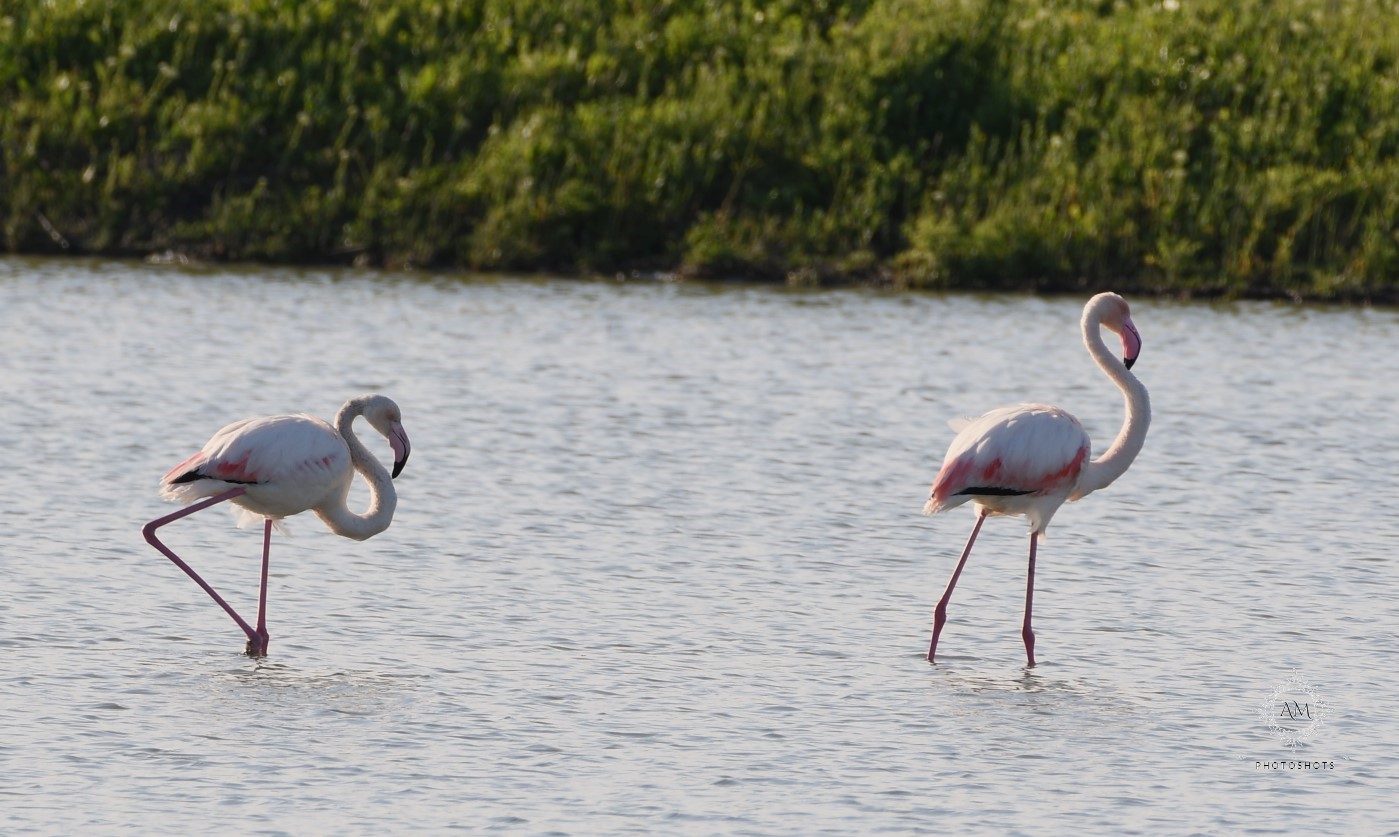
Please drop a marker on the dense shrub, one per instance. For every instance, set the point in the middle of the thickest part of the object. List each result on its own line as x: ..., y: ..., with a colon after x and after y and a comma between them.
x: 1223, y: 146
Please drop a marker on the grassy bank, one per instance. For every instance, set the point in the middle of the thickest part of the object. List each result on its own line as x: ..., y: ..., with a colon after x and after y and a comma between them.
x: 1242, y: 148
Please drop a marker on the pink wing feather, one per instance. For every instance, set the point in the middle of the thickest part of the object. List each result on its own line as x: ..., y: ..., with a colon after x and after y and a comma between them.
x: 1032, y: 449
x: 288, y: 463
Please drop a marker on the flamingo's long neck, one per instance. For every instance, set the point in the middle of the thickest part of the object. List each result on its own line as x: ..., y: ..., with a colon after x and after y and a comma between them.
x: 382, y: 498
x: 1114, y: 461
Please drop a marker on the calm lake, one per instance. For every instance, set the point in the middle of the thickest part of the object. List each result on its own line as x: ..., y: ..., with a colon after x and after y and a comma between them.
x: 658, y: 565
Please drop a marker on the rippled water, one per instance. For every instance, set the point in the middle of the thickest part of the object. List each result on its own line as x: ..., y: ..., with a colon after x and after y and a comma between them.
x: 658, y: 565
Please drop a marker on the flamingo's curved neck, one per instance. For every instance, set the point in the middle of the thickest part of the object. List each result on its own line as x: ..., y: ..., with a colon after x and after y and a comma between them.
x: 1114, y: 461
x: 382, y: 500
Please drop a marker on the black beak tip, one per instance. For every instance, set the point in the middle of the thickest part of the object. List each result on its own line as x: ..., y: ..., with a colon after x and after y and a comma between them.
x: 1127, y: 361
x: 398, y: 467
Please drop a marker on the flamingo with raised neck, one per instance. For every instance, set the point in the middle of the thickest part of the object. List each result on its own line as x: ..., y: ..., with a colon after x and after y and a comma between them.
x: 1028, y: 460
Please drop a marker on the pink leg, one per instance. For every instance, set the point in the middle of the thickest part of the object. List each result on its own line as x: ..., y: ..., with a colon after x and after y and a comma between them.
x: 940, y: 614
x: 260, y: 649
x: 149, y: 531
x: 1025, y: 632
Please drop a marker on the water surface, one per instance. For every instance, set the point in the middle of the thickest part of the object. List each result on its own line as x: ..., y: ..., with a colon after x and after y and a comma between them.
x: 658, y: 565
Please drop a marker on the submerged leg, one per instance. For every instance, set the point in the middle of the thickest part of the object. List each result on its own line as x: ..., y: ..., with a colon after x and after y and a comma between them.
x: 940, y: 614
x: 1025, y: 632
x: 257, y: 647
x: 149, y: 531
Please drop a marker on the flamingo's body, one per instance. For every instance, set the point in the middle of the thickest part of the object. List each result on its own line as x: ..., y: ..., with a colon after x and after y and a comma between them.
x: 279, y: 466
x: 1014, y: 460
x: 1028, y: 460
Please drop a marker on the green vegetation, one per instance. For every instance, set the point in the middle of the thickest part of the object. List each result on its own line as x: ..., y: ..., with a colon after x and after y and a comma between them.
x: 1238, y: 147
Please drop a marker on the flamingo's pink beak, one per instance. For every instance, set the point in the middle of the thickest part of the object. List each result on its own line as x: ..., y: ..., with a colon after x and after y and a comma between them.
x: 398, y: 440
x: 1131, y: 343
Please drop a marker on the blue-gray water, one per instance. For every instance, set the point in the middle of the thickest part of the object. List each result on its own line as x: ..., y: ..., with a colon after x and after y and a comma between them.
x: 658, y: 565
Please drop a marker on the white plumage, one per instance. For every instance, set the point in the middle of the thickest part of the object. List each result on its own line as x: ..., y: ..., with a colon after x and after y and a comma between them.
x: 287, y: 463
x: 1013, y: 460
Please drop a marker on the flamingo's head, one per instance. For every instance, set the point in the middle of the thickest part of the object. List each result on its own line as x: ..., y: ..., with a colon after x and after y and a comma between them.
x: 1111, y: 310
x: 384, y: 416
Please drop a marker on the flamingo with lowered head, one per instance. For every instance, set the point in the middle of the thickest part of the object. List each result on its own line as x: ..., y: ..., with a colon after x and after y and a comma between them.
x: 278, y: 466
x: 1031, y: 458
